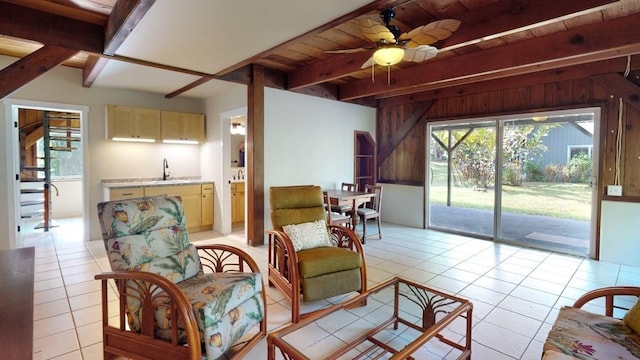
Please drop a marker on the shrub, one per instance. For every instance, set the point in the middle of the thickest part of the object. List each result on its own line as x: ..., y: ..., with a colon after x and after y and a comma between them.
x: 533, y: 172
x: 579, y: 169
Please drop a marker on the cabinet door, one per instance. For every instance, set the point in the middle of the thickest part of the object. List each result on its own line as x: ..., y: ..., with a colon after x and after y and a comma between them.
x: 125, y: 193
x: 240, y: 207
x: 193, y: 126
x: 171, y: 125
x: 192, y: 210
x: 120, y: 122
x: 237, y: 202
x: 147, y: 123
x: 207, y: 209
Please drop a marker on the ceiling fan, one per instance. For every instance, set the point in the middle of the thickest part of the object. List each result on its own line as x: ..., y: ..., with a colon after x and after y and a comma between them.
x: 393, y: 47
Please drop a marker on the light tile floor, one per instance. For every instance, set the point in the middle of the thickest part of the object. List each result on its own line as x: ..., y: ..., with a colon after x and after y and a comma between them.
x: 516, y: 291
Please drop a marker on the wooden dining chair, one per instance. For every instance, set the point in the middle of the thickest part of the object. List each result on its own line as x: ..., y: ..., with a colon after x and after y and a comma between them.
x: 344, y: 209
x: 371, y: 210
x: 335, y: 218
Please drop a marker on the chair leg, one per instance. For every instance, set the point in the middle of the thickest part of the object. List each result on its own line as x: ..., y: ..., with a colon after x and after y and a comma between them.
x: 379, y: 230
x: 364, y: 229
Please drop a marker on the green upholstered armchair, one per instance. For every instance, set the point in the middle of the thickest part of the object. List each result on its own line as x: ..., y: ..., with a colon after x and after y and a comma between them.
x: 172, y: 293
x: 308, y: 257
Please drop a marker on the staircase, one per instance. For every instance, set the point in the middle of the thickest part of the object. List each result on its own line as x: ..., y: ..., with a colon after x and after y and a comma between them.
x: 59, y: 131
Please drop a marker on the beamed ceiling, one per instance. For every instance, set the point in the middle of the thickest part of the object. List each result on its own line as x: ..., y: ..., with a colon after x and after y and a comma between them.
x: 499, y: 44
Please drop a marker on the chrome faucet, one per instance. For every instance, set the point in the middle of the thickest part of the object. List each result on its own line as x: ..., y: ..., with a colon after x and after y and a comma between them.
x: 240, y: 174
x: 165, y: 171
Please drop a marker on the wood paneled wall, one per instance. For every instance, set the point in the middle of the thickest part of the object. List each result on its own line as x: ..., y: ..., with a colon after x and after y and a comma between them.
x: 405, y: 164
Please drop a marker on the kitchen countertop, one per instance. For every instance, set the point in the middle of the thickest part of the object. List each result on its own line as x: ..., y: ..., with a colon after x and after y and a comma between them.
x: 133, y: 183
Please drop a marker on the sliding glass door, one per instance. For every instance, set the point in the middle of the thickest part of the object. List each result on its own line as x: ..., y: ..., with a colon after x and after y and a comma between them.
x: 542, y: 165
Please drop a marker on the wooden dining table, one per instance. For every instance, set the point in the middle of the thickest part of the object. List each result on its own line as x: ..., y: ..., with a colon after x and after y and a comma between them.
x: 351, y: 198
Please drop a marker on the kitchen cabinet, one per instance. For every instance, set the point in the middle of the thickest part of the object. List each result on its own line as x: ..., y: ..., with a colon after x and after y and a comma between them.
x: 129, y: 123
x: 197, y: 200
x: 191, y: 200
x: 207, y: 206
x: 237, y: 202
x: 125, y: 193
x: 182, y: 126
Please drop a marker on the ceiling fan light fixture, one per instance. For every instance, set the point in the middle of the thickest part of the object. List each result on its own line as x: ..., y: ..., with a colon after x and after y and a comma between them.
x: 387, y: 55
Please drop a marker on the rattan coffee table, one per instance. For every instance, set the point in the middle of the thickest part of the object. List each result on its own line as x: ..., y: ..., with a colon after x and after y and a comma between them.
x: 399, y: 317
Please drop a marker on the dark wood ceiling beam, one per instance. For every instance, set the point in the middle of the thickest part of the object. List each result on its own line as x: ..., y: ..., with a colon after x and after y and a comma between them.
x: 92, y: 68
x: 385, y: 150
x: 31, y: 66
x: 622, y: 87
x: 582, y: 45
x: 499, y: 19
x: 508, y: 17
x: 123, y: 19
x: 536, y: 78
x: 45, y: 28
x: 188, y: 87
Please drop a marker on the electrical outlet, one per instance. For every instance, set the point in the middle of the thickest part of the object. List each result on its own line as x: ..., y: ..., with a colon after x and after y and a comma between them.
x: 614, y: 190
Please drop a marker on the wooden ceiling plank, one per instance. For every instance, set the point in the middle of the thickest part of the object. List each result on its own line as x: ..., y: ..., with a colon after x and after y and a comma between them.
x: 123, y: 19
x: 45, y: 28
x: 30, y: 67
x: 578, y: 46
x: 622, y: 87
x: 375, y: 5
x: 478, y: 27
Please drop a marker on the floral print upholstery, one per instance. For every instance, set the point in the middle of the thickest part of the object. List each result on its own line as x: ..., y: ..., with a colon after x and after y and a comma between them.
x: 579, y: 334
x: 149, y: 234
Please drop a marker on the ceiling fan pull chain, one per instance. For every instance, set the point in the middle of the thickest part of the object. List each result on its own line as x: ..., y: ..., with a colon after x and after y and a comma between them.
x: 388, y: 75
x: 373, y: 77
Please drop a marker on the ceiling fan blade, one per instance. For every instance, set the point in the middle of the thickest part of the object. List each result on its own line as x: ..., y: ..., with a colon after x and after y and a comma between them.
x: 367, y: 63
x: 419, y: 53
x: 430, y: 33
x: 375, y: 31
x: 347, y: 51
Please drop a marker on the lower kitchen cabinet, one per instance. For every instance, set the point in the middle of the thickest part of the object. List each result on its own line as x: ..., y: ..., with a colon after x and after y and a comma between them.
x: 197, y: 201
x: 207, y: 207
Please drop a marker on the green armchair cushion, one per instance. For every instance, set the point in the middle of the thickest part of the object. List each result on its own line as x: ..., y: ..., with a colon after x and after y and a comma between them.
x: 326, y: 260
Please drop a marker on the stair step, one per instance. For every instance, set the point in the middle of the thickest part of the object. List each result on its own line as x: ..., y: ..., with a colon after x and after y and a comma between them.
x: 61, y: 148
x: 65, y: 138
x: 32, y: 202
x: 64, y: 129
x: 33, y: 168
x: 51, y: 224
x: 32, y: 191
x: 32, y: 180
x: 32, y: 214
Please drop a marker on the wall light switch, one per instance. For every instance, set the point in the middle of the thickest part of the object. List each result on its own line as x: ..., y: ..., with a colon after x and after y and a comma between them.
x: 614, y: 190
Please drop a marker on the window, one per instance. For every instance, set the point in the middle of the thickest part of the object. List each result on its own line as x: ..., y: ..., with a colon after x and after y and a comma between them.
x: 574, y: 150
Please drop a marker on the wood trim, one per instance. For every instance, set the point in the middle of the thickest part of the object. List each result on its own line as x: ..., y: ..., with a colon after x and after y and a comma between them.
x: 124, y: 17
x: 622, y: 87
x: 92, y: 68
x: 50, y: 29
x: 255, y: 158
x: 31, y: 66
x: 189, y: 86
x: 384, y: 150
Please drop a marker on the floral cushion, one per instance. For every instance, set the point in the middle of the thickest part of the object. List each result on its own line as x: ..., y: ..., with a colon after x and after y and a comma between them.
x: 148, y: 234
x: 227, y: 306
x: 308, y: 235
x: 580, y: 334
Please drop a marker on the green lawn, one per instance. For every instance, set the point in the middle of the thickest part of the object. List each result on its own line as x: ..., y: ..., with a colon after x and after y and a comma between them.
x: 562, y: 200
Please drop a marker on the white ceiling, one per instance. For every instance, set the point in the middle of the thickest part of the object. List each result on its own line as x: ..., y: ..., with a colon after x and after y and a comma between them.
x: 209, y: 36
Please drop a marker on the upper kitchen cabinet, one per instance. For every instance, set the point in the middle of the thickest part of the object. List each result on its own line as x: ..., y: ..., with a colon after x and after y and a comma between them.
x: 133, y: 124
x: 177, y: 126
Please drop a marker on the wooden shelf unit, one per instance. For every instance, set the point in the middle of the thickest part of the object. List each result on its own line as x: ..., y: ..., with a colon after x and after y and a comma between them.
x: 364, y: 162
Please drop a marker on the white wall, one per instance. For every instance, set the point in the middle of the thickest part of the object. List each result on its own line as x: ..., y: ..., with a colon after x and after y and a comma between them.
x: 105, y: 159
x: 309, y: 140
x: 403, y: 205
x: 619, y: 236
x: 65, y: 204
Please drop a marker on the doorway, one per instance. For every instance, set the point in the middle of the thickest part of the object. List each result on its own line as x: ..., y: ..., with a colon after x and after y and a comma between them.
x: 523, y: 179
x: 48, y: 156
x: 233, y: 129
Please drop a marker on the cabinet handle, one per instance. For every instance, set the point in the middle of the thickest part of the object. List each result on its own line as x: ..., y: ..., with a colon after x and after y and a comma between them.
x: 127, y: 194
